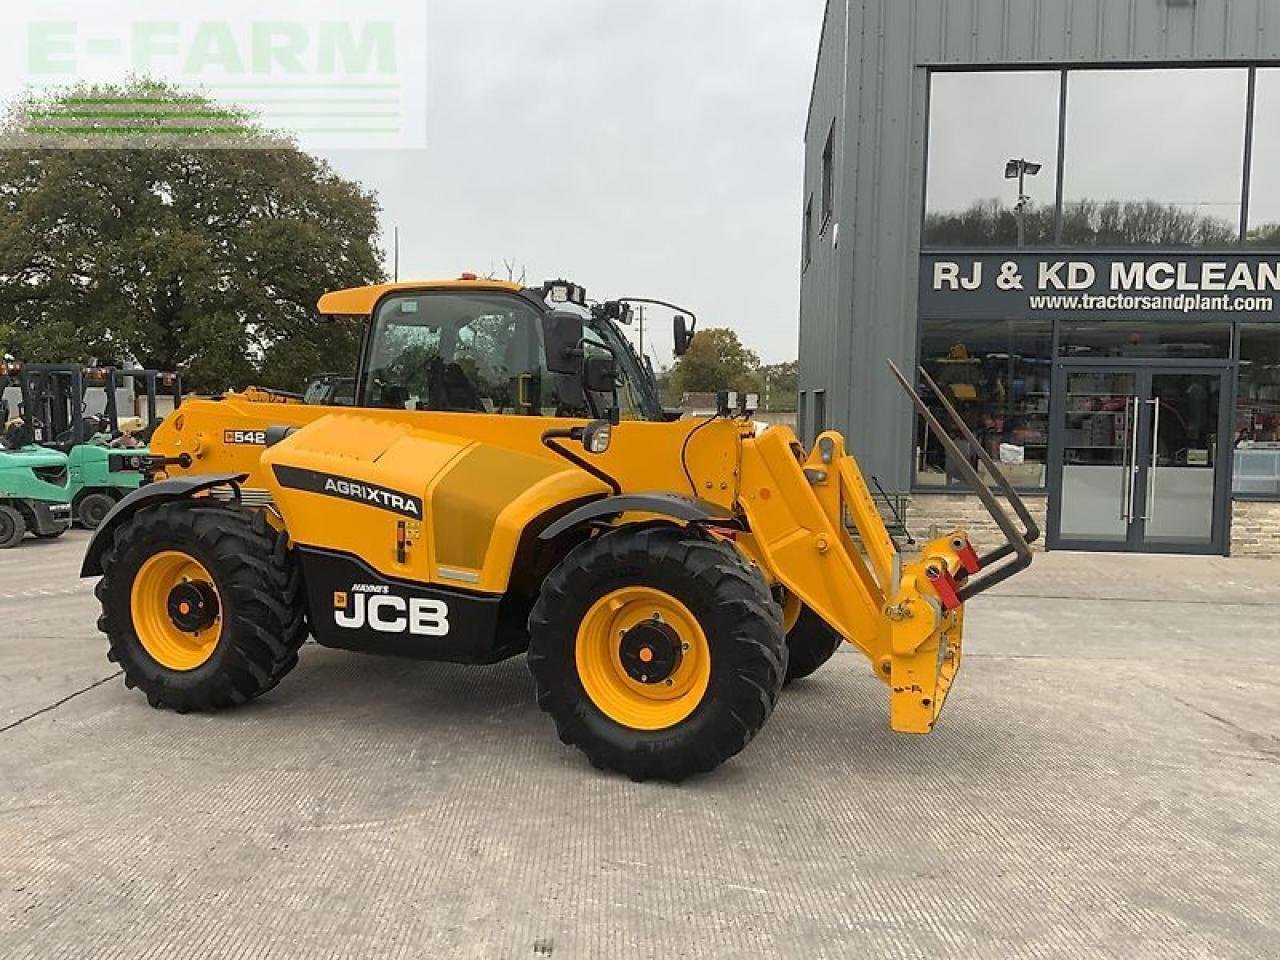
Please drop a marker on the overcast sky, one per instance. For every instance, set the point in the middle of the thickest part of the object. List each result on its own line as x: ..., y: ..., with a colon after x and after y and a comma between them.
x: 639, y: 147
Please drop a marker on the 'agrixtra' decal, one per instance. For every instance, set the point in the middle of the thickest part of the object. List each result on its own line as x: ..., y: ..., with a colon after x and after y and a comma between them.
x: 354, y: 491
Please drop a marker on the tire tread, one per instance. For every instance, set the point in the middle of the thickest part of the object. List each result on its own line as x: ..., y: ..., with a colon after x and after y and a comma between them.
x: 748, y: 620
x: 263, y: 630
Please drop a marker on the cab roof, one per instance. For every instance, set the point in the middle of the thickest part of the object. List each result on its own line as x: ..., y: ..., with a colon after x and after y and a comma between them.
x: 360, y: 301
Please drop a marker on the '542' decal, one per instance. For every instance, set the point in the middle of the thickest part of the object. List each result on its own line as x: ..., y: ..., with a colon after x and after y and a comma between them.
x: 245, y: 438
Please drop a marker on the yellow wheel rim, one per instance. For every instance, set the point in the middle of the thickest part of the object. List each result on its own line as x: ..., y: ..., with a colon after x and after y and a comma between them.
x: 791, y: 607
x: 177, y: 611
x: 643, y: 658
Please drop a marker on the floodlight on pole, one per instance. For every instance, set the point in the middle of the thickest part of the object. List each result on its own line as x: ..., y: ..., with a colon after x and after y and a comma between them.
x: 1020, y: 169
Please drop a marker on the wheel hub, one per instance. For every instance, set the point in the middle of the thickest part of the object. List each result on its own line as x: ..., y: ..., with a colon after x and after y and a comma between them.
x: 193, y: 606
x: 643, y: 658
x: 650, y: 652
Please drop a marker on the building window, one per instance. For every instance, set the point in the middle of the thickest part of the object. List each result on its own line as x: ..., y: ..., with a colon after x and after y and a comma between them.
x: 807, y: 242
x: 996, y: 373
x: 819, y: 413
x: 1264, y: 185
x: 1154, y: 157
x: 1257, y: 417
x: 829, y: 178
x: 1144, y: 340
x: 980, y: 124
x: 802, y: 402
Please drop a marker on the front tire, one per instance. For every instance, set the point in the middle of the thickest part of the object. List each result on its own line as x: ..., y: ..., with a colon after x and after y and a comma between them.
x: 658, y: 652
x: 12, y: 527
x: 201, y: 604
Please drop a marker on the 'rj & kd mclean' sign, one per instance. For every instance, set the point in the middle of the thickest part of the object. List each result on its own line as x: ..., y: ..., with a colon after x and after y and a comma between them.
x: 1150, y: 287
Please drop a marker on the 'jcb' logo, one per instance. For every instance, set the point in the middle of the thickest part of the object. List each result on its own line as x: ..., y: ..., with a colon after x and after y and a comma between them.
x: 246, y: 438
x: 387, y: 613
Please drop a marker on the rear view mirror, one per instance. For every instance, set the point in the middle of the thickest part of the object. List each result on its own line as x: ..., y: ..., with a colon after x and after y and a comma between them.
x: 562, y: 334
x: 683, y: 334
x: 600, y: 373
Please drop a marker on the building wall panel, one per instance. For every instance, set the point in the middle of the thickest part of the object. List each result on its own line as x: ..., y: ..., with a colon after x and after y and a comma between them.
x: 1148, y: 24
x: 1115, y: 27
x: 1022, y: 28
x: 822, y: 333
x: 1050, y: 31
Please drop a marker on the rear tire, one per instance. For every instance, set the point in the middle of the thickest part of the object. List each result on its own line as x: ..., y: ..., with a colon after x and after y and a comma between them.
x: 811, y: 643
x: 719, y: 663
x: 230, y: 625
x: 92, y: 509
x: 12, y: 527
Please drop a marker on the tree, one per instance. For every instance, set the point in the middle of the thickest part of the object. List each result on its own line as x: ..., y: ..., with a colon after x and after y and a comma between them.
x: 203, y: 250
x: 717, y: 360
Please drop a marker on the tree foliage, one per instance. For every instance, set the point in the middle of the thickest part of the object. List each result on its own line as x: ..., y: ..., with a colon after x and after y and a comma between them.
x: 717, y: 360
x: 175, y: 253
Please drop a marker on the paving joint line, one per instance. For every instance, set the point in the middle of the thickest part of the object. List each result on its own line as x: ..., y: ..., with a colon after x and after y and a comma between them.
x: 57, y: 703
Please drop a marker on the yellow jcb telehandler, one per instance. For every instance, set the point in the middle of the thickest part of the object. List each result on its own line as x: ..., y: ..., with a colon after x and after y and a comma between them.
x: 507, y: 481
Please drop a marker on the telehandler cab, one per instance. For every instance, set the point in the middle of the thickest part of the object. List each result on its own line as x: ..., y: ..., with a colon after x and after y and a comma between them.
x: 507, y: 481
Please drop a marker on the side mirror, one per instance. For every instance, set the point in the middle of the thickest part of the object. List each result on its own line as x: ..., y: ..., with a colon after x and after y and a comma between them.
x: 684, y: 335
x: 600, y: 373
x: 562, y: 334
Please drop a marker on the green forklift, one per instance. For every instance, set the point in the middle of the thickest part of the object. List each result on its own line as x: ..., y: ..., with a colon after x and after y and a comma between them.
x: 35, y: 495
x: 103, y: 449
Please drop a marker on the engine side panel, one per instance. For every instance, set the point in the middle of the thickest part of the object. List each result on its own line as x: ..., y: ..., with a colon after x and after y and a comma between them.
x: 415, y: 504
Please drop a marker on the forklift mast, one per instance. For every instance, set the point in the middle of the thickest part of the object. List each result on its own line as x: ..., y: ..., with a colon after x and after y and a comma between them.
x: 153, y: 381
x: 54, y: 398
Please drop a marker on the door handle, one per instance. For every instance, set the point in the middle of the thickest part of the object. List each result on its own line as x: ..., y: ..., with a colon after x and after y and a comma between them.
x: 1155, y: 462
x: 1126, y: 494
x: 1131, y: 467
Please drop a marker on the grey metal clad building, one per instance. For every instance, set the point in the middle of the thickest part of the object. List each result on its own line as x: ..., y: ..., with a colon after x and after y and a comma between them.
x: 1069, y: 212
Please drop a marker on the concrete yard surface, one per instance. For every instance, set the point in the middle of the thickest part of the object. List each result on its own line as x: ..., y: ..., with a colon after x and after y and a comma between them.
x: 1105, y: 782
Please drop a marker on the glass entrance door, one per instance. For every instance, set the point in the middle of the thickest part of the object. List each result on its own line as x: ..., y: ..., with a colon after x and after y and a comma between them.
x: 1180, y: 468
x: 1098, y: 430
x: 1138, y: 465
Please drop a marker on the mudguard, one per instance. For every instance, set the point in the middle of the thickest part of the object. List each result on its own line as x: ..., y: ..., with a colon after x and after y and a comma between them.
x: 664, y: 504
x: 152, y: 495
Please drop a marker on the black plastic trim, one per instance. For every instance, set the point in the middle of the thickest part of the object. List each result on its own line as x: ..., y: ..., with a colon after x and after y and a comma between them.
x: 664, y: 504
x: 472, y: 627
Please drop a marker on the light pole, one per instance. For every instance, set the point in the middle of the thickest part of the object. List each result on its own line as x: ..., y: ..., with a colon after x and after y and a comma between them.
x: 1019, y: 170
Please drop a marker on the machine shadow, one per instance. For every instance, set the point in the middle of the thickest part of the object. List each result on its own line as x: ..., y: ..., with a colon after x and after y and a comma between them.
x: 832, y: 721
